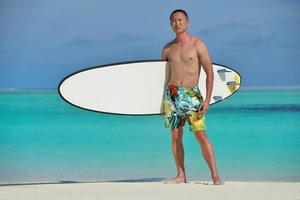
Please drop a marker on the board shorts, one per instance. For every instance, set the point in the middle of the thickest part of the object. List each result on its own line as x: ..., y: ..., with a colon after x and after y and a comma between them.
x: 181, y: 104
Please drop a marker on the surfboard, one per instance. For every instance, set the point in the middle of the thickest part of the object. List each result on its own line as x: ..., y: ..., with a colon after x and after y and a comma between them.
x: 135, y: 87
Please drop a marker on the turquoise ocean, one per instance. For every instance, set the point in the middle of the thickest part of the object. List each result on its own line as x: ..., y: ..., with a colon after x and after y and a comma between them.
x: 255, y: 134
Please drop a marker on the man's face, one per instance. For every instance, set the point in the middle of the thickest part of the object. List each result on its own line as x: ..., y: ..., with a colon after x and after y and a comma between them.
x: 179, y: 22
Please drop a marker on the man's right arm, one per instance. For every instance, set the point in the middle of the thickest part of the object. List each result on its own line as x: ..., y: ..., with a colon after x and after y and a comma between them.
x: 164, y: 54
x: 164, y: 57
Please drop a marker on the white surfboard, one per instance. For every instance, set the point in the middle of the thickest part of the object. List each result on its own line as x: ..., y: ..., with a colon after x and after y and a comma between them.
x: 136, y: 87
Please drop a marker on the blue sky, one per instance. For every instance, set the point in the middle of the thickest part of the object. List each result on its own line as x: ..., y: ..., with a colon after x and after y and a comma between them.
x: 43, y: 41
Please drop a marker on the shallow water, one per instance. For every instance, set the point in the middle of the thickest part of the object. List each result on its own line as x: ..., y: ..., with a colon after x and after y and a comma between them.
x: 255, y: 134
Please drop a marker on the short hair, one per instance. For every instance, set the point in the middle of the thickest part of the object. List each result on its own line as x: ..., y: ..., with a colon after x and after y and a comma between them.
x: 179, y: 10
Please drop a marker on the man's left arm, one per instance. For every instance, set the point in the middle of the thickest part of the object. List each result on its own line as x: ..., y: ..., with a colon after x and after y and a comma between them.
x: 205, y: 61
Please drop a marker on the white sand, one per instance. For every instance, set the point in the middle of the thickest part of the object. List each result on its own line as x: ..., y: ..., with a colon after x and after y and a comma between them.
x: 155, y: 191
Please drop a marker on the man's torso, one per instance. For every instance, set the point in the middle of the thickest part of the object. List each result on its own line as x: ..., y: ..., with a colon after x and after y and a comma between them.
x: 184, y: 62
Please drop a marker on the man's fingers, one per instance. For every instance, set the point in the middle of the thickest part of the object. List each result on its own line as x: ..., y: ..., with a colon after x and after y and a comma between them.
x: 202, y: 109
x: 202, y: 112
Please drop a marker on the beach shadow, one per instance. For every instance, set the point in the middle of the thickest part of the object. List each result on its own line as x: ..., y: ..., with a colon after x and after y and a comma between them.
x: 100, y: 181
x: 41, y: 183
x: 137, y: 180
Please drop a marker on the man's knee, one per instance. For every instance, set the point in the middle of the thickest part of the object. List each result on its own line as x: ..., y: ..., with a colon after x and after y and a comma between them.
x: 201, y: 136
x: 177, y: 135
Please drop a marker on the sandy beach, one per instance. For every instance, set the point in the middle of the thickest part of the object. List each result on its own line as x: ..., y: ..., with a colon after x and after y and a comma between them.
x: 154, y: 190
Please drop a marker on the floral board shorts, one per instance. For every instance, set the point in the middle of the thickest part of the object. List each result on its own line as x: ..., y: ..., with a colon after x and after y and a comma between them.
x: 181, y: 104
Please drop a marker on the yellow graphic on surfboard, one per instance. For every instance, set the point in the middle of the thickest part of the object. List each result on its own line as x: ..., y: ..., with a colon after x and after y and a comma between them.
x: 234, y: 85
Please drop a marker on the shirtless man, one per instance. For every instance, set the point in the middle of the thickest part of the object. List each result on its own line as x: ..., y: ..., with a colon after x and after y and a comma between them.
x: 183, y: 100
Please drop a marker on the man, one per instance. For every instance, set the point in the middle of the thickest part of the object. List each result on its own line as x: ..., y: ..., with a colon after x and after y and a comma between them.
x: 183, y: 100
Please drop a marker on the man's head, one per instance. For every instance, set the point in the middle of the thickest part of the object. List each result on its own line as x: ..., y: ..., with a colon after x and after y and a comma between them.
x: 179, y: 10
x: 179, y: 21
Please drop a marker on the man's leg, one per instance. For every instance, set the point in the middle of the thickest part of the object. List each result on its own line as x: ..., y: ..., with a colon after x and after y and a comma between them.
x: 178, y: 153
x: 209, y: 155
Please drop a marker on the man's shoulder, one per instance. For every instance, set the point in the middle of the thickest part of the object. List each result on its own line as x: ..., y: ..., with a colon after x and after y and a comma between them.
x: 199, y: 44
x: 169, y: 45
x: 197, y: 41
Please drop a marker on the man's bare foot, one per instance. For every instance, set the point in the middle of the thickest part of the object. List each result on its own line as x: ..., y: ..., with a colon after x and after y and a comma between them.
x: 176, y: 180
x: 217, y: 180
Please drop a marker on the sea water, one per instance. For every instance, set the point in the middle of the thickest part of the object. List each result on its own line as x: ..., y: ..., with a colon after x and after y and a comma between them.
x: 255, y: 135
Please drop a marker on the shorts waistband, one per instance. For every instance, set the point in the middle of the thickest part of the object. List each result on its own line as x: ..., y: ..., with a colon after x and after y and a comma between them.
x: 172, y: 85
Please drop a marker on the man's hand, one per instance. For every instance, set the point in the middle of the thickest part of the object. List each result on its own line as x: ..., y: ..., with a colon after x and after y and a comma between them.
x: 203, y: 108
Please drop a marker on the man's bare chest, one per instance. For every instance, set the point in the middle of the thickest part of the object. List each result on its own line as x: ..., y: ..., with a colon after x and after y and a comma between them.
x: 186, y: 54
